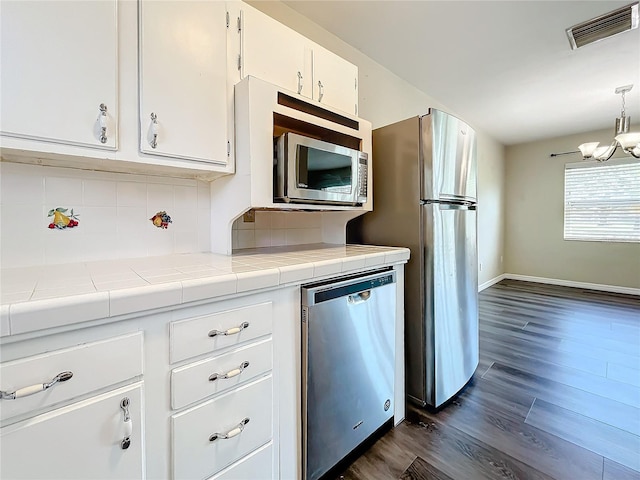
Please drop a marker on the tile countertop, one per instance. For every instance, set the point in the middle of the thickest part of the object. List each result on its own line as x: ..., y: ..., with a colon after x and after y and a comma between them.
x: 36, y: 298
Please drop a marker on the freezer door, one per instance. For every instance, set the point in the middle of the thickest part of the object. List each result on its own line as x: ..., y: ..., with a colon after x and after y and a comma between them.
x: 451, y: 300
x: 448, y: 148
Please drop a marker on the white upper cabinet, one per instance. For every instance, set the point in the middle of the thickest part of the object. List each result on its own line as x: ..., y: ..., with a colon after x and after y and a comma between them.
x: 183, y: 80
x: 274, y: 52
x: 335, y: 81
x: 277, y: 54
x: 59, y: 78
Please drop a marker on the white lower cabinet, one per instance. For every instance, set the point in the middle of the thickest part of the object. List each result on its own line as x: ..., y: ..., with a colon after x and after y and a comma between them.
x: 215, y: 434
x: 82, y: 440
x: 257, y: 465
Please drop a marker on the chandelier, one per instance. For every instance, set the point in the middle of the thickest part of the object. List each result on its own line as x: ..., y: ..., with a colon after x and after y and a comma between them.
x: 628, y: 141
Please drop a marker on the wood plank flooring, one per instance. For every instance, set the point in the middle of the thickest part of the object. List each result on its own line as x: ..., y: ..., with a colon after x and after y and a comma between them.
x: 556, y: 396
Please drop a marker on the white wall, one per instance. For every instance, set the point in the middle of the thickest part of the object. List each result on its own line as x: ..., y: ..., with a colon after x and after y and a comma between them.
x: 385, y: 98
x: 534, y: 244
x: 113, y: 215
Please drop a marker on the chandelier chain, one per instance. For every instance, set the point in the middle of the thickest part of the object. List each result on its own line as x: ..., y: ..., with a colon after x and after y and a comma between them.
x: 623, y: 104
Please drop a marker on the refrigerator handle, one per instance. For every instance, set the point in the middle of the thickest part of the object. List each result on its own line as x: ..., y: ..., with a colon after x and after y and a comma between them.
x: 467, y: 205
x: 453, y: 206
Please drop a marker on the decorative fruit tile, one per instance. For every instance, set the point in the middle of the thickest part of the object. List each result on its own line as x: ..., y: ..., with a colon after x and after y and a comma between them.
x: 61, y: 220
x: 161, y: 220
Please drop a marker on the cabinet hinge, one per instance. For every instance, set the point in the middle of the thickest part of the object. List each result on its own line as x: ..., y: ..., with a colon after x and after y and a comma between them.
x: 227, y: 19
x: 239, y: 25
x: 228, y: 148
x: 239, y: 62
x: 356, y: 109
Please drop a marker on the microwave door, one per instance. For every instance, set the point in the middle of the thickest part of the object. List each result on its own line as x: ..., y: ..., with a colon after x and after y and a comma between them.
x: 321, y: 175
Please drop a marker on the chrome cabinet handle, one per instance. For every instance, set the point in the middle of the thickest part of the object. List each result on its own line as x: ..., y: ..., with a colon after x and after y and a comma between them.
x: 299, y: 82
x: 320, y: 90
x: 235, y: 431
x: 231, y: 331
x: 230, y: 374
x: 128, y: 424
x: 40, y: 387
x: 154, y: 130
x: 103, y: 123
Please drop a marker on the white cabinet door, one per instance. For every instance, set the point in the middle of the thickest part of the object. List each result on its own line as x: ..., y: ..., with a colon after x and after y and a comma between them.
x: 79, y: 441
x: 275, y: 53
x: 183, y: 79
x: 335, y: 81
x: 59, y: 65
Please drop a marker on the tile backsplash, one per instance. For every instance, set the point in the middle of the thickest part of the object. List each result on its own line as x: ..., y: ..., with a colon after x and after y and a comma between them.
x: 113, y: 212
x: 270, y: 229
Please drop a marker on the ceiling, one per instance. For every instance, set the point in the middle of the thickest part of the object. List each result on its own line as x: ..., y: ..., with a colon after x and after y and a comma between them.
x: 506, y: 67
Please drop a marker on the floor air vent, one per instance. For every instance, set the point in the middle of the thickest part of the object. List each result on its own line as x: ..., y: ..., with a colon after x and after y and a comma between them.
x: 604, y: 26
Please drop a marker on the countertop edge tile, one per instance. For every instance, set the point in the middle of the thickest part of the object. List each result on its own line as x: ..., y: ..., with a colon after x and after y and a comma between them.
x: 5, y: 326
x: 209, y: 287
x: 139, y: 299
x: 322, y: 268
x: 296, y: 273
x: 255, y: 280
x: 55, y: 312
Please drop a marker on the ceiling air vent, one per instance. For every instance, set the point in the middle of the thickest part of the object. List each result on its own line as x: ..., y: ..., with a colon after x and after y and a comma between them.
x: 607, y: 25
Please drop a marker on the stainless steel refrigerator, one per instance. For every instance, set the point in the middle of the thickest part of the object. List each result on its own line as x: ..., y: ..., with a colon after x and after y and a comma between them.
x: 424, y: 198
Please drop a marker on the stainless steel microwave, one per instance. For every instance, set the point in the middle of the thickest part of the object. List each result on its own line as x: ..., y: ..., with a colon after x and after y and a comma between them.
x: 314, y: 171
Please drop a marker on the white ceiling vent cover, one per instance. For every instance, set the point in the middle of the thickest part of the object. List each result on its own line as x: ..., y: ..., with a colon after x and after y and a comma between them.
x: 604, y: 26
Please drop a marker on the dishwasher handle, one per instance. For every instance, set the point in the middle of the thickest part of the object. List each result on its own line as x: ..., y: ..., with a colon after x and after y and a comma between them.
x: 359, y: 297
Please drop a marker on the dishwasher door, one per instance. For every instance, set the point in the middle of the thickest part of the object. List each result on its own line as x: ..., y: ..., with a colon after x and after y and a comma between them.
x: 348, y: 359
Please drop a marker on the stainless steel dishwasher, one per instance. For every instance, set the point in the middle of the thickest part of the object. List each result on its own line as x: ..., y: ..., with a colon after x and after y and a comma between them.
x: 348, y: 358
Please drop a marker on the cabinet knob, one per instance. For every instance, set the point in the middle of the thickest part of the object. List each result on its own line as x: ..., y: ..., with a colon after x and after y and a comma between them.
x: 128, y: 424
x: 299, y: 83
x: 155, y: 127
x: 103, y: 123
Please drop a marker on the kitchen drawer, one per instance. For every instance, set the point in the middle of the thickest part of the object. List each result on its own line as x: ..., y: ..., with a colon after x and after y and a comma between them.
x: 78, y: 441
x: 198, y: 380
x: 94, y: 366
x: 209, y: 333
x: 257, y: 465
x: 196, y: 455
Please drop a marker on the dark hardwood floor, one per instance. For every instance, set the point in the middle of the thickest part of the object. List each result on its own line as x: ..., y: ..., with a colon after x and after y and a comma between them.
x: 556, y: 396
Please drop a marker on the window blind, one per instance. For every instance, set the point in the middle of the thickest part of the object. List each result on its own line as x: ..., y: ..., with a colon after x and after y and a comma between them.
x: 602, y: 201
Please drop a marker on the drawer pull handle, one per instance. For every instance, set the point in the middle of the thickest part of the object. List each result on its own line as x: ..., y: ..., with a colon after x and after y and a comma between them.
x: 128, y: 424
x: 237, y: 430
x: 231, y: 331
x: 230, y: 373
x: 30, y: 390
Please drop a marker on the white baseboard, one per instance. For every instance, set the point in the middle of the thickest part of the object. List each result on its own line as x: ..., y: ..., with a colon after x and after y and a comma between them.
x: 566, y: 283
x: 493, y: 281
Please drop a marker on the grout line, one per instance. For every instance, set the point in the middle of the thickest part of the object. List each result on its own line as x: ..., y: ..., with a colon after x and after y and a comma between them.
x: 487, y: 370
x: 530, y: 408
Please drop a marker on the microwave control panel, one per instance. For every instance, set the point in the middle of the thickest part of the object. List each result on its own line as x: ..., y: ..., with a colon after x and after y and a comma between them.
x: 362, y: 177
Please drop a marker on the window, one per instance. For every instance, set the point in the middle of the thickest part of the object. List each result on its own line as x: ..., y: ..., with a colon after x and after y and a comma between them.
x: 602, y: 201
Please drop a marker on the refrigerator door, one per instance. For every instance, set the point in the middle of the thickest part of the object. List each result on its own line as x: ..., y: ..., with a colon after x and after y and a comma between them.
x: 451, y: 303
x: 448, y: 157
